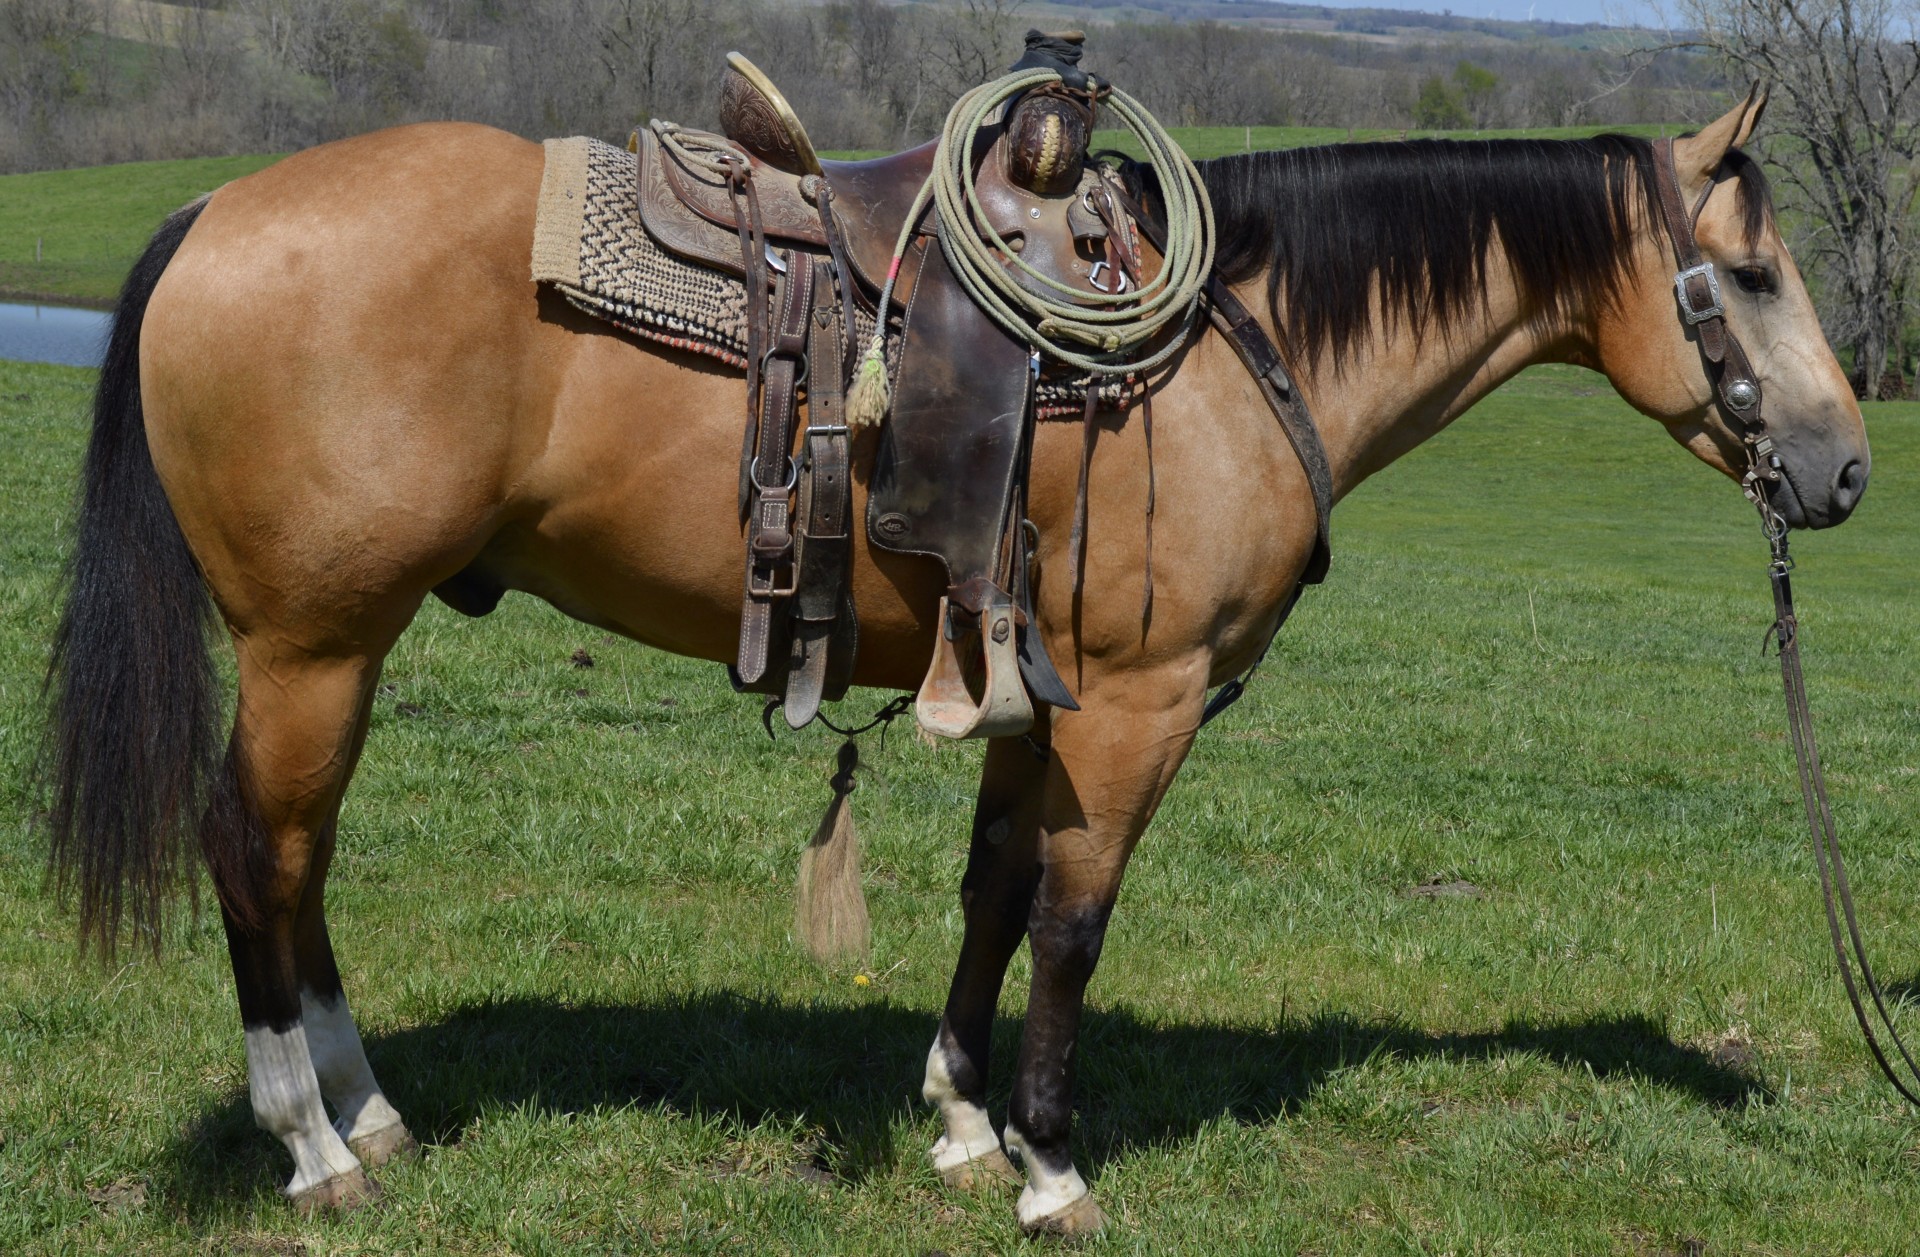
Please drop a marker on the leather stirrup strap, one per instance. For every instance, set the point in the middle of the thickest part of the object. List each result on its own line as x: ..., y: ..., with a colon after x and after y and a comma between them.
x: 753, y: 260
x: 770, y: 570
x: 826, y: 502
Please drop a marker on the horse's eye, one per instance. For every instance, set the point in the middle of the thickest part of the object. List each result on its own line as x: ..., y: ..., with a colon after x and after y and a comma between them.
x: 1753, y: 278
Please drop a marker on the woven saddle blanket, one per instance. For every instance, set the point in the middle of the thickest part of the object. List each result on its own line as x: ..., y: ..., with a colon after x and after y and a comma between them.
x: 590, y: 245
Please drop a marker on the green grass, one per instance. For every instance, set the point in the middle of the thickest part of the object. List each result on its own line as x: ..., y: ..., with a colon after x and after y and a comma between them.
x: 91, y: 223
x: 561, y: 904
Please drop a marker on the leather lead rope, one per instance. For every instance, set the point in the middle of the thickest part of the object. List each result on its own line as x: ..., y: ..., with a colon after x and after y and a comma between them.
x: 1848, y: 947
x: 1697, y: 289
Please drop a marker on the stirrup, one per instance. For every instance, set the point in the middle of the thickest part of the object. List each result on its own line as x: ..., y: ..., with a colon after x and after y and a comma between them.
x: 945, y: 706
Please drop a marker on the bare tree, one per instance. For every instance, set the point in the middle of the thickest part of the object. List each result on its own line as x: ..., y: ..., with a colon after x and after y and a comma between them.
x: 1845, y: 79
x: 976, y: 41
x: 41, y: 47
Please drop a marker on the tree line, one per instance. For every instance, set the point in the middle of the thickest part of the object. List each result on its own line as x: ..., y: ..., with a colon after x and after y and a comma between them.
x: 94, y: 81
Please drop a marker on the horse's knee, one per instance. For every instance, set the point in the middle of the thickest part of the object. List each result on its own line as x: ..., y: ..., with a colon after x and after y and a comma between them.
x: 1068, y: 936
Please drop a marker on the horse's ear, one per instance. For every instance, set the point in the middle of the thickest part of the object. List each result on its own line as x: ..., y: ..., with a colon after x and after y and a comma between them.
x: 1697, y: 157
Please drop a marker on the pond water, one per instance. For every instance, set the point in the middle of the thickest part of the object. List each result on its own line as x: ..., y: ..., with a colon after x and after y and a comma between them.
x: 36, y: 333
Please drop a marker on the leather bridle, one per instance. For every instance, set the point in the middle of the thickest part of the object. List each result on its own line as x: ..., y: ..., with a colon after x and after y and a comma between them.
x: 1697, y: 288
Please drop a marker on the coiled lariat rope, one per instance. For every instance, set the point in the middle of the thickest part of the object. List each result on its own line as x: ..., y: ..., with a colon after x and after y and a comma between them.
x: 1098, y: 333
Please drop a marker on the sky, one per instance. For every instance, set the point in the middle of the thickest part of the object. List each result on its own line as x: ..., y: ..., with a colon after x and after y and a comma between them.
x: 1617, y: 12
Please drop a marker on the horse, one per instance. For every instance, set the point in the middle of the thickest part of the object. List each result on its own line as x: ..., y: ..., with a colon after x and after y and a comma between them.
x: 331, y: 390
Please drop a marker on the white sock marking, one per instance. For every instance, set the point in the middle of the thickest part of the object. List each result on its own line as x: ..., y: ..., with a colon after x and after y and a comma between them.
x: 286, y: 1103
x: 340, y: 1065
x: 969, y: 1135
x: 1046, y: 1193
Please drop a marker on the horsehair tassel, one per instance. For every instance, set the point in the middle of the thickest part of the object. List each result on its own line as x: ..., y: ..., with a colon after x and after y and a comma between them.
x: 869, y: 399
x: 830, y: 908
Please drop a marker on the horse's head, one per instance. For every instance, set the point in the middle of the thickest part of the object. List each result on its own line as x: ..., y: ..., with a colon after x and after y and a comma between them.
x: 1654, y: 357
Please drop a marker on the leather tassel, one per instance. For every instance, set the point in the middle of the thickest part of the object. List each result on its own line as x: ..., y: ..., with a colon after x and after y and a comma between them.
x: 1077, y: 536
x: 1146, y: 423
x: 830, y: 907
x: 870, y: 398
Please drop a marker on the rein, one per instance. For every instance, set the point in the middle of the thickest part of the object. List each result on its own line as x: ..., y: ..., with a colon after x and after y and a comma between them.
x: 1697, y: 288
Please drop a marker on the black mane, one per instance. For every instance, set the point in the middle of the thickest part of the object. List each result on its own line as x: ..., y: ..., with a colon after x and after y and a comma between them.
x: 1413, y: 221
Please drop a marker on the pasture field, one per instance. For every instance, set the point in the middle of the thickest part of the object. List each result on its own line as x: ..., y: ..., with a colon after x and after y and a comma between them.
x: 90, y: 224
x: 561, y: 903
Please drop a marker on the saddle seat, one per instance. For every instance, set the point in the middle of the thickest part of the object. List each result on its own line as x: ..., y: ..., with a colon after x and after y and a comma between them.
x: 1058, y: 232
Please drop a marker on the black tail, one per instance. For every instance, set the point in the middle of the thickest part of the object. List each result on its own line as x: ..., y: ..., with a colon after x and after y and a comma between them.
x: 133, y: 758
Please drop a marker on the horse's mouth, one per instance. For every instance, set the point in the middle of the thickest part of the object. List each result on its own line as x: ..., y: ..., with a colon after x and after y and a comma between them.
x: 1784, y: 497
x: 1823, y: 510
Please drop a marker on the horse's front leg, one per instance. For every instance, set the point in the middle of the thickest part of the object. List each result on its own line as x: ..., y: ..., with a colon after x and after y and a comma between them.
x: 1003, y: 868
x: 1112, y: 763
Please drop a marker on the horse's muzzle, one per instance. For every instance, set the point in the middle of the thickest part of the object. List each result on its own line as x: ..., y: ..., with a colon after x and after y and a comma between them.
x: 1804, y: 502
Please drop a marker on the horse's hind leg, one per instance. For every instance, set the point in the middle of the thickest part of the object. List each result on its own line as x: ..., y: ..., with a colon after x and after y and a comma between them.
x: 370, y: 1125
x: 1002, y: 871
x: 300, y: 722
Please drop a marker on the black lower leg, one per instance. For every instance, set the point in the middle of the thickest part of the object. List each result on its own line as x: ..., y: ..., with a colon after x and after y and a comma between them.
x: 264, y: 974
x: 1066, y: 944
x: 319, y: 976
x: 995, y: 895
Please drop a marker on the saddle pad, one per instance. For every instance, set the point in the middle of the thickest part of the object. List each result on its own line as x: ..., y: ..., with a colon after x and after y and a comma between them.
x: 590, y: 246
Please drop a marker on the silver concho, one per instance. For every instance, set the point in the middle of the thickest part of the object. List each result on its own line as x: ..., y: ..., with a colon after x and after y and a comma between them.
x: 1741, y: 394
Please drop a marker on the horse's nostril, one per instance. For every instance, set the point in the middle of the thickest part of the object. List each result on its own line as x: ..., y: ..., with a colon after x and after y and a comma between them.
x: 1849, y: 485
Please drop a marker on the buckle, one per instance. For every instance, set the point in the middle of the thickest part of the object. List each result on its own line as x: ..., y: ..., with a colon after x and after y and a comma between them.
x: 1687, y: 311
x: 764, y: 583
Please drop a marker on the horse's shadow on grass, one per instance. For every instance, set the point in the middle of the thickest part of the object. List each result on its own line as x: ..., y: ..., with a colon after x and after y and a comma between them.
x: 851, y: 1072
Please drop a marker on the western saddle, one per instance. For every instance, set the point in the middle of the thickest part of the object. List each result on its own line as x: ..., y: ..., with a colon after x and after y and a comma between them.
x: 814, y: 242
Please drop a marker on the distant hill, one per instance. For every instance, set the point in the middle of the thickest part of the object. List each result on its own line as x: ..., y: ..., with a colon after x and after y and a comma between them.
x: 1320, y: 19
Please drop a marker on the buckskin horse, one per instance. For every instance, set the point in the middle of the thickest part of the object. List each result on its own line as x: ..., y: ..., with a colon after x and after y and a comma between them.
x: 331, y: 387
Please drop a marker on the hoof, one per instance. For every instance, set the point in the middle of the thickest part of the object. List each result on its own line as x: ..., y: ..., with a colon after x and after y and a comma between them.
x: 340, y: 1194
x: 981, y: 1173
x: 383, y: 1145
x: 1078, y: 1220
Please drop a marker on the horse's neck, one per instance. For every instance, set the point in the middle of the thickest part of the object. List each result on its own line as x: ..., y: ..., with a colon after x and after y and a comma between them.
x: 1397, y: 390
